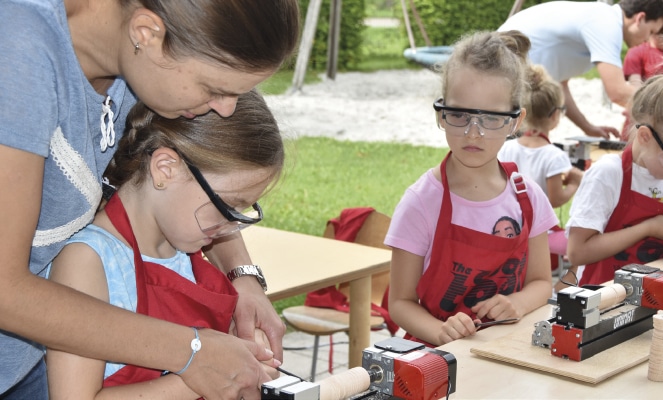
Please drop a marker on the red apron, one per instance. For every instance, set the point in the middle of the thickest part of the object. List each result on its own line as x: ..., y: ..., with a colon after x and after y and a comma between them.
x: 467, y: 266
x: 164, y: 294
x: 632, y: 208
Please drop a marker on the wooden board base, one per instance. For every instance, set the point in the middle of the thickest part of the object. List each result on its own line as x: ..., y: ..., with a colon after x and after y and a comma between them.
x: 516, y: 348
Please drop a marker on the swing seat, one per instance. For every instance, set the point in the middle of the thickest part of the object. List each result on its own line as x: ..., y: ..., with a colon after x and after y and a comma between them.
x: 428, y: 56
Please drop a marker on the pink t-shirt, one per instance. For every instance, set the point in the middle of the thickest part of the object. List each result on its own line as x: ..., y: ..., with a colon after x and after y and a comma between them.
x: 415, y: 218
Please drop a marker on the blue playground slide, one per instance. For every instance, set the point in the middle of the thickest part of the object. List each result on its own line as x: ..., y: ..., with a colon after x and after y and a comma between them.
x: 428, y: 56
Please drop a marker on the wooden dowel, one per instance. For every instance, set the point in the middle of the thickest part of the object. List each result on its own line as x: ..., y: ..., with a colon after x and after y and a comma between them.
x: 345, y: 384
x: 611, y: 295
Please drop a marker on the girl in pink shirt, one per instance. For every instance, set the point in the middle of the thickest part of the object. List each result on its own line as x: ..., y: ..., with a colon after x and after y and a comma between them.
x: 455, y: 261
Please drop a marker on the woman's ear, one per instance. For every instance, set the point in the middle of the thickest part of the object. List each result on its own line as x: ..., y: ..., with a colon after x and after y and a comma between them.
x: 164, y: 166
x: 146, y: 29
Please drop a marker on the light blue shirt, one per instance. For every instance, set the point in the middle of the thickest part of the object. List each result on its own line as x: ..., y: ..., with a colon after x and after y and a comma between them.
x: 569, y: 37
x: 118, y: 260
x: 50, y: 109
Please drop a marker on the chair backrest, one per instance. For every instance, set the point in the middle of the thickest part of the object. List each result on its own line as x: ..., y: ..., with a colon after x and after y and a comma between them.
x: 372, y: 233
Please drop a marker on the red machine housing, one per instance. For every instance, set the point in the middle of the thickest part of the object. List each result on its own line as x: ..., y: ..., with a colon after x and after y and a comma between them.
x: 652, y: 291
x: 421, y: 376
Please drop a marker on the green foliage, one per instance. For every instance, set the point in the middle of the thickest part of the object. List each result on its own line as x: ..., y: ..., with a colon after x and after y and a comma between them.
x: 382, y: 48
x: 352, y: 26
x: 380, y: 8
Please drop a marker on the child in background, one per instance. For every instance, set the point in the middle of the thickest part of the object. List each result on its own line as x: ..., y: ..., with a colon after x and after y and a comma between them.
x: 644, y: 61
x: 449, y: 270
x: 536, y: 157
x: 548, y: 165
x: 641, y: 63
x: 617, y: 214
x: 181, y: 184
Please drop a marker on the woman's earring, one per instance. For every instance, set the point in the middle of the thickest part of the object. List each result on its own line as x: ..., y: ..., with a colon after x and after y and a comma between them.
x: 136, y: 48
x: 160, y: 185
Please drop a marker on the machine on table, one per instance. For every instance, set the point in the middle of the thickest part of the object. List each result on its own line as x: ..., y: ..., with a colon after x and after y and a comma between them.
x: 392, y: 369
x: 590, y: 319
x: 580, y: 153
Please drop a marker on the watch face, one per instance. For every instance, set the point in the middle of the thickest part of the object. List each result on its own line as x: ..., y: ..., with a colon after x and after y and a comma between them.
x: 252, y: 270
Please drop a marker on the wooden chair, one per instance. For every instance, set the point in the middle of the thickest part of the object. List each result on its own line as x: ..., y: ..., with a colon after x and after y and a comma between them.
x: 319, y: 321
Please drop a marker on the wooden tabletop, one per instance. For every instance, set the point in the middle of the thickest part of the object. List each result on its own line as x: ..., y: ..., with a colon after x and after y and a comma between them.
x: 295, y: 263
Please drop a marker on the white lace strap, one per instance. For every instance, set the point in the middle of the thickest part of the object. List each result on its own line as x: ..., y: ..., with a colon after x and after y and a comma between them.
x: 107, y: 130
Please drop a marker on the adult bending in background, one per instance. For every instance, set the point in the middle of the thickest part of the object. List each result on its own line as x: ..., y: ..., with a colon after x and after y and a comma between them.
x: 569, y: 38
x: 70, y: 71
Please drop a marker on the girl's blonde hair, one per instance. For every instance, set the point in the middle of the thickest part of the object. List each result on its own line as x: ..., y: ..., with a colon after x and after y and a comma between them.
x: 501, y: 54
x: 544, y: 94
x: 648, y: 102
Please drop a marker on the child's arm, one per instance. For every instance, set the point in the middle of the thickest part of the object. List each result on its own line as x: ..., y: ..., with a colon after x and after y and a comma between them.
x: 254, y: 310
x: 71, y: 376
x: 587, y: 246
x: 535, y: 292
x: 562, y: 187
x: 405, y: 310
x: 635, y: 80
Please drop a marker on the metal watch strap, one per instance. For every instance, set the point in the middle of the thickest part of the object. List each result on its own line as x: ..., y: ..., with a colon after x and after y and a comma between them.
x: 244, y: 270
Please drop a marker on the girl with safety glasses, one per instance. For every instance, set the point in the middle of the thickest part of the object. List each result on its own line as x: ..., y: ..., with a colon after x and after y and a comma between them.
x: 456, y: 260
x: 616, y: 217
x: 181, y: 184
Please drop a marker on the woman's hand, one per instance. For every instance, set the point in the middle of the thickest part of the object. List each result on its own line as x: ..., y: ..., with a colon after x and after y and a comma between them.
x: 227, y: 367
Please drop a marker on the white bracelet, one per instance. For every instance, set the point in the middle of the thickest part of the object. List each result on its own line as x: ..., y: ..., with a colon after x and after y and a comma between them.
x: 196, y: 345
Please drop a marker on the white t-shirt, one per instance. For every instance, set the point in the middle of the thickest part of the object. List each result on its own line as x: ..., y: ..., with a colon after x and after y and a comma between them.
x: 538, y: 163
x: 568, y: 37
x: 415, y: 218
x: 599, y: 191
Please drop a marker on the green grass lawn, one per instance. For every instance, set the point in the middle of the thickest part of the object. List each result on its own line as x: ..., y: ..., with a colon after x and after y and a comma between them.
x: 324, y: 176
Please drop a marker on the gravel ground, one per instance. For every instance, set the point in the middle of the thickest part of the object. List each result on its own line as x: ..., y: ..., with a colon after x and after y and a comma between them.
x: 396, y: 106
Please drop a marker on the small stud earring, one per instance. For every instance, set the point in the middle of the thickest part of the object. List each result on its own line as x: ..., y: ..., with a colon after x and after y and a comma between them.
x: 160, y: 185
x: 136, y: 48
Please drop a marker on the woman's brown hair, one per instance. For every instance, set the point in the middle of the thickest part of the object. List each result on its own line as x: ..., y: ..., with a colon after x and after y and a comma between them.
x: 253, y: 35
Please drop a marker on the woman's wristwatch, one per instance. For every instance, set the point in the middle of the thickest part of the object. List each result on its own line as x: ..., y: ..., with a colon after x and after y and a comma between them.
x: 252, y: 270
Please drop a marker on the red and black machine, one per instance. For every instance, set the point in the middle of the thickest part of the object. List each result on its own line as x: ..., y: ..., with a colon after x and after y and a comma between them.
x: 590, y: 319
x: 392, y: 369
